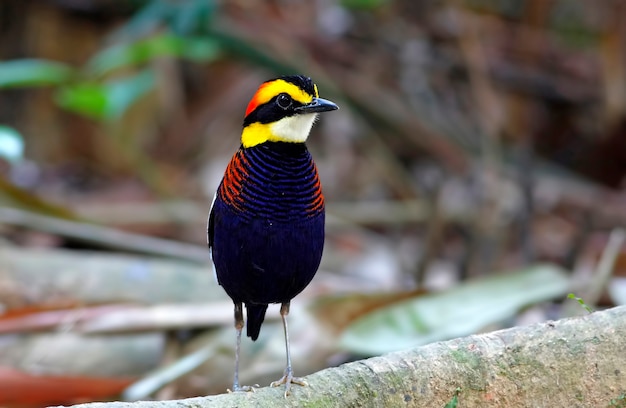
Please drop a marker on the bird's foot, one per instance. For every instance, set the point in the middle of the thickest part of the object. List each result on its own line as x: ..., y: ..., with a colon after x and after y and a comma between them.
x: 243, y: 388
x: 289, y: 379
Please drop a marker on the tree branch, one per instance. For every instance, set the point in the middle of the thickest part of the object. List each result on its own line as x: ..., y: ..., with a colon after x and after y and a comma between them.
x: 571, y: 362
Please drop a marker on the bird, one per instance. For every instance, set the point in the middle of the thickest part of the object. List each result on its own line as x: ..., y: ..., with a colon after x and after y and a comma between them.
x: 266, y: 223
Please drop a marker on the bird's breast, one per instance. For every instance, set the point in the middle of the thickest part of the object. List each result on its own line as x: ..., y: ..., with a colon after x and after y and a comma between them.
x: 276, y: 181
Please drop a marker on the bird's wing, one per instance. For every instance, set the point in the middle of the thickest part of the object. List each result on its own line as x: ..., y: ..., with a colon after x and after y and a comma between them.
x: 210, y: 232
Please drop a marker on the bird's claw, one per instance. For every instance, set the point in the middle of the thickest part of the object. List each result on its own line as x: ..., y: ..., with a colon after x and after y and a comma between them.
x: 289, y: 379
x: 243, y: 388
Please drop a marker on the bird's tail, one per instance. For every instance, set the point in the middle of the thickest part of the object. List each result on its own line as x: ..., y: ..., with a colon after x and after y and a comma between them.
x: 256, y: 315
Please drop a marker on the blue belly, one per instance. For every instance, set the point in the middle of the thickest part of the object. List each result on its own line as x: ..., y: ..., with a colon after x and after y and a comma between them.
x: 260, y: 260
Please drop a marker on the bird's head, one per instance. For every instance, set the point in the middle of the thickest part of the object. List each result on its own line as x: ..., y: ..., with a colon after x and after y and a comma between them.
x: 283, y: 110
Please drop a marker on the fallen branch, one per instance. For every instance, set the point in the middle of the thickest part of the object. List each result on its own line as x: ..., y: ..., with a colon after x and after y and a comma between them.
x: 570, y: 362
x: 100, y: 236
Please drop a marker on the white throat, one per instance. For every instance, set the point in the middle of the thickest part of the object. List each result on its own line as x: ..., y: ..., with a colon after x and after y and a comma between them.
x: 294, y: 128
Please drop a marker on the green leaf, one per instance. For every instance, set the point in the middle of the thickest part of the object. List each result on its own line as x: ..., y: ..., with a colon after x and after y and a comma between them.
x: 363, y: 4
x: 193, y: 17
x: 181, y: 17
x: 147, y: 20
x: 200, y: 49
x: 124, y: 55
x: 11, y: 144
x: 581, y: 302
x: 107, y: 101
x: 33, y: 72
x: 458, y: 312
x: 454, y: 402
x: 122, y: 94
x: 87, y: 99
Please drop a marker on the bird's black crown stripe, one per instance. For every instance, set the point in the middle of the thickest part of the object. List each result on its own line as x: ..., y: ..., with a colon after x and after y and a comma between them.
x: 271, y: 112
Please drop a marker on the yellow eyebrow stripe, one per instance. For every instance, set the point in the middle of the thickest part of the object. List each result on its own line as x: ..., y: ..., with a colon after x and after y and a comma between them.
x: 270, y: 89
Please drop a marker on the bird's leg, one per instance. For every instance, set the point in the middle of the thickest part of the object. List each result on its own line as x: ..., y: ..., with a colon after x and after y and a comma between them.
x: 239, y: 328
x: 288, y: 377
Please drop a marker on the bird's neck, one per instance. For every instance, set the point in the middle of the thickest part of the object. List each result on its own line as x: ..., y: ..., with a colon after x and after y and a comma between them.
x: 286, y: 149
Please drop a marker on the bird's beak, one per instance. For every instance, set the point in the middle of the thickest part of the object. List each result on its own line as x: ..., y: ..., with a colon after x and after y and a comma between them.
x: 317, y: 105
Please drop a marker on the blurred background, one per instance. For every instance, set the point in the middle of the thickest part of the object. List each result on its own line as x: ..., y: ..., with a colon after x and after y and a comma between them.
x: 474, y: 179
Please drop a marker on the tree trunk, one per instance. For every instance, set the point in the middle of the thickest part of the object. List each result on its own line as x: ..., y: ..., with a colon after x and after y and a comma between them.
x: 576, y: 362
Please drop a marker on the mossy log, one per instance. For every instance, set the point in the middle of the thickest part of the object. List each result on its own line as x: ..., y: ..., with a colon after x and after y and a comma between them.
x: 575, y: 362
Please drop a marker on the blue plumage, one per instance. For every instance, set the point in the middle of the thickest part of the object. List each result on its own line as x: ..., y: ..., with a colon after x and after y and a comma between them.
x: 267, y: 226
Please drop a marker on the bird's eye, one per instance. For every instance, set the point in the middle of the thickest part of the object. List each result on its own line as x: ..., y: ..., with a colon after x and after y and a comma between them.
x: 284, y: 101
